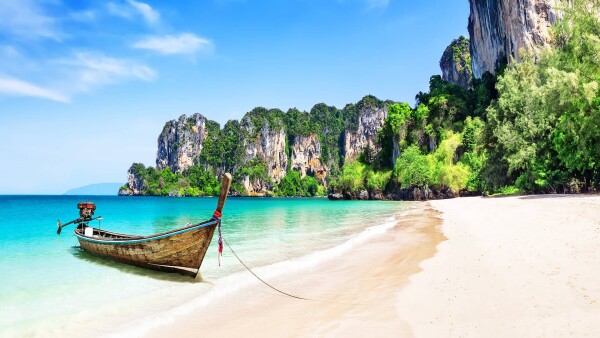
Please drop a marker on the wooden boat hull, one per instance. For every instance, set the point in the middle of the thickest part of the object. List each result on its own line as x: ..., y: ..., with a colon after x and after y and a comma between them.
x: 181, y: 250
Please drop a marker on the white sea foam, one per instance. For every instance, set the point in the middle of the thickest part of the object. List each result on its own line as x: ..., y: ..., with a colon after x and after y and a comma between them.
x: 238, y: 281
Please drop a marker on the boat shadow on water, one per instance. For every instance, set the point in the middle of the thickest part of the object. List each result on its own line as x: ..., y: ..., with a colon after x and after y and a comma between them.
x: 79, y: 253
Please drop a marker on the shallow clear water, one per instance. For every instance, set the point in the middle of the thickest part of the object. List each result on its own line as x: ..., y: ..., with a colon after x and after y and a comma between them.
x: 50, y: 287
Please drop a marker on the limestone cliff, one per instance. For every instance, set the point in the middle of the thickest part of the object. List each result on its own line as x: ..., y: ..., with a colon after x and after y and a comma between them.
x: 264, y: 142
x: 259, y: 150
x: 306, y: 157
x: 456, y: 63
x: 371, y: 115
x: 180, y: 142
x: 135, y: 184
x: 498, y: 29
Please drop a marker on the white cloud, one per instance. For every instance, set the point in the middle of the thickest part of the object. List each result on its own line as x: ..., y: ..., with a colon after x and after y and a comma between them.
x: 66, y: 77
x: 377, y: 4
x: 16, y: 87
x: 119, y: 10
x: 133, y: 8
x: 185, y: 43
x: 94, y: 70
x: 25, y: 18
x: 149, y: 14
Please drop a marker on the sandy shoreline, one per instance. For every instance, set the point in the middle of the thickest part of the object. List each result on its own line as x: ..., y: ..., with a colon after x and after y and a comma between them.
x: 517, y: 266
x: 512, y: 267
x: 351, y: 293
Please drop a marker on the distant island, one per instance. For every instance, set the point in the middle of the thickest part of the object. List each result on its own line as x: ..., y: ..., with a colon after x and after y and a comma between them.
x: 96, y: 189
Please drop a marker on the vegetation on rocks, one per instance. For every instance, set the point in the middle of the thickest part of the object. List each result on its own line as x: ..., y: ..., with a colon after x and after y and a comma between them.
x: 534, y: 126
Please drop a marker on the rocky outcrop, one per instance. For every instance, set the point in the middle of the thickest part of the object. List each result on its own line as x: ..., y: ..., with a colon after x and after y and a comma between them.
x: 498, y: 29
x: 256, y: 150
x: 406, y: 194
x: 456, y: 63
x: 125, y: 191
x: 135, y: 183
x: 306, y: 157
x: 180, y: 142
x: 266, y: 145
x: 370, y: 121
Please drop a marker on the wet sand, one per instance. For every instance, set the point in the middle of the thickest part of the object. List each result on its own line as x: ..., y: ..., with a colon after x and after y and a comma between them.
x: 351, y: 296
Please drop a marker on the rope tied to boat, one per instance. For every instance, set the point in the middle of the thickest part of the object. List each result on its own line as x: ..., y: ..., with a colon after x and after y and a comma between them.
x: 260, y: 279
x: 221, y: 240
x: 217, y: 217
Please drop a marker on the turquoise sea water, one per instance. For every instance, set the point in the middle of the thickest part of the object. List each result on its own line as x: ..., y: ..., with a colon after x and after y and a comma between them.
x: 51, y: 288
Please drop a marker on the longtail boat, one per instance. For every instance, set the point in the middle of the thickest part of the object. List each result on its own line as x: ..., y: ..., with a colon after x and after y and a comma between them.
x: 181, y: 250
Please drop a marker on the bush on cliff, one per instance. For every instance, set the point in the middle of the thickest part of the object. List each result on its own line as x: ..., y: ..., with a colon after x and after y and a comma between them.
x: 438, y: 169
x: 356, y: 176
x: 412, y: 168
x: 294, y: 185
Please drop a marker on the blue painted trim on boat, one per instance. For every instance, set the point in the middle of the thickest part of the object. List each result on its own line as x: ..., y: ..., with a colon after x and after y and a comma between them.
x: 147, y: 239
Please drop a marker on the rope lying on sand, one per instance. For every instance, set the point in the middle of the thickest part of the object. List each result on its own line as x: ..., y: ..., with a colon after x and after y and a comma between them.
x: 260, y: 279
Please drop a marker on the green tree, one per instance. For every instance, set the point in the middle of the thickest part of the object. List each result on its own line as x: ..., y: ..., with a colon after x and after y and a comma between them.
x: 544, y: 127
x: 412, y: 168
x: 572, y: 89
x: 445, y: 171
x: 394, y: 130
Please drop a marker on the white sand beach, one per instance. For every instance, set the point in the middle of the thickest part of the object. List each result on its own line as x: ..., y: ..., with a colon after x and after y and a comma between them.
x: 511, y: 267
x: 495, y: 267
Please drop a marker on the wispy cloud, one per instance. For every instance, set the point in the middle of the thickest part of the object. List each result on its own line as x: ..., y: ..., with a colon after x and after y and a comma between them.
x: 185, y: 43
x: 9, y: 51
x: 83, y: 16
x: 149, y: 14
x: 131, y: 8
x: 82, y: 72
x: 93, y: 70
x: 373, y: 4
x: 119, y: 10
x: 26, y: 19
x: 16, y: 87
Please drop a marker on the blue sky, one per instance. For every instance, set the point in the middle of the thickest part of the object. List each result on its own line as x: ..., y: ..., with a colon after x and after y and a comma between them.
x: 86, y: 86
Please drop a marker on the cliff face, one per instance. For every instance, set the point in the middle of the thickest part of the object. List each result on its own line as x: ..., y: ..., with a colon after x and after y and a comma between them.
x: 265, y: 143
x: 180, y: 142
x: 260, y: 149
x: 370, y: 120
x: 306, y: 157
x: 456, y: 63
x: 135, y: 184
x: 498, y: 29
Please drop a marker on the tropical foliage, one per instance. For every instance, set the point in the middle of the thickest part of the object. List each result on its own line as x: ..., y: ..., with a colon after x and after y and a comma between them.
x: 534, y: 126
x: 544, y: 129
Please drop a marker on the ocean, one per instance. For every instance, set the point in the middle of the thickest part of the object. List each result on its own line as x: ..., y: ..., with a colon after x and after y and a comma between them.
x: 50, y: 287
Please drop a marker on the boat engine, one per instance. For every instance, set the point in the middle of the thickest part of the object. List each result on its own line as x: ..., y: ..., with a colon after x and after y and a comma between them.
x: 86, y: 214
x: 86, y: 209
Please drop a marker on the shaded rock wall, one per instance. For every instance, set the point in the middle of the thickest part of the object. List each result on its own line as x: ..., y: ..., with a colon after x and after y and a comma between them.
x: 498, y: 29
x: 456, y: 63
x: 370, y: 121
